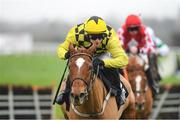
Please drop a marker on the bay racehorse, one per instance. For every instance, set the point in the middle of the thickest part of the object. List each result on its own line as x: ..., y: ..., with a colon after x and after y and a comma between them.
x: 89, y: 97
x: 139, y: 83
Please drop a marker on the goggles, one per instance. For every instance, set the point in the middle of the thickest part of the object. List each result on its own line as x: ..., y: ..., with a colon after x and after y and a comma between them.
x: 97, y: 36
x: 132, y: 29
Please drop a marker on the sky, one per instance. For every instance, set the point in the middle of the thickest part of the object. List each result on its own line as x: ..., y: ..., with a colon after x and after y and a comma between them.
x: 75, y: 10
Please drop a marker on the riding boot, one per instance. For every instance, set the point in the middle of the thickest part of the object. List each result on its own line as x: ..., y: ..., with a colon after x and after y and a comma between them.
x: 64, y: 94
x: 112, y: 75
x: 154, y: 84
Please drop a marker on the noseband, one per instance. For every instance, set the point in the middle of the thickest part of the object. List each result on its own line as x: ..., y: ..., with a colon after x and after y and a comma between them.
x: 141, y: 91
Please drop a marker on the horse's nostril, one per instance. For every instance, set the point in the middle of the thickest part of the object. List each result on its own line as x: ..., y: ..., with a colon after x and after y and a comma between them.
x: 76, y: 97
x: 140, y: 106
x: 82, y: 95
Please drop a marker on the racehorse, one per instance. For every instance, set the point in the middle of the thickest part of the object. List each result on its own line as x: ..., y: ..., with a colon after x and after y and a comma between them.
x: 139, y: 83
x: 89, y: 97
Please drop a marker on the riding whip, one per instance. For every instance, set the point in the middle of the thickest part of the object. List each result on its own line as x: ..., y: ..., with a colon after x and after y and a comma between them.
x: 60, y: 83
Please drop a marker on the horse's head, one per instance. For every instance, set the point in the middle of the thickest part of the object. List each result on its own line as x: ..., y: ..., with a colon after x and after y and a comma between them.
x: 81, y: 72
x: 137, y: 79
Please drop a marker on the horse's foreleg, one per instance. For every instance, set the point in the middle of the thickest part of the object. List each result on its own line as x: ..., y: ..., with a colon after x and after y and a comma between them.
x: 66, y: 116
x: 63, y: 110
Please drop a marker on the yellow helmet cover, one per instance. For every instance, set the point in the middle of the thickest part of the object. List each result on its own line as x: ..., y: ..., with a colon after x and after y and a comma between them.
x: 95, y: 25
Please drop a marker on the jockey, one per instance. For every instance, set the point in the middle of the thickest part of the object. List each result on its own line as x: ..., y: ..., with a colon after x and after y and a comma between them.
x: 109, y: 55
x: 134, y: 31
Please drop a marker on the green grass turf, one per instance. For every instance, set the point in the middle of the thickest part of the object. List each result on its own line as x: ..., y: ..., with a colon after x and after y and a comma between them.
x: 173, y: 80
x: 31, y: 69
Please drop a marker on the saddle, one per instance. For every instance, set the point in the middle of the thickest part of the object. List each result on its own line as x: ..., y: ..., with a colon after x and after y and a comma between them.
x: 111, y: 80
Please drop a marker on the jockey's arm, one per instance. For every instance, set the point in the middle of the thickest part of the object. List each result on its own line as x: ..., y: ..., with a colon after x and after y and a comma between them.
x: 161, y: 48
x: 148, y: 45
x: 119, y: 58
x: 64, y: 47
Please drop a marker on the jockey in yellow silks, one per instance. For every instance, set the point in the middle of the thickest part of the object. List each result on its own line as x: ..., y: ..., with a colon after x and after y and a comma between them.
x: 109, y: 54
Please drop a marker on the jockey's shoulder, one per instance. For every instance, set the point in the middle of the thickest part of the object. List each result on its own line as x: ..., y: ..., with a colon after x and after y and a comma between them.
x: 109, y: 28
x: 149, y: 30
x: 146, y: 30
x: 80, y: 24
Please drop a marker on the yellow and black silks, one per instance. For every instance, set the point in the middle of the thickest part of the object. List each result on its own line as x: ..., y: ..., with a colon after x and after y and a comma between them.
x: 77, y: 35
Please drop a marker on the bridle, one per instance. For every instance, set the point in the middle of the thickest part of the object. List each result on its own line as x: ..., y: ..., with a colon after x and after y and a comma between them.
x: 141, y: 91
x: 146, y: 87
x: 93, y: 77
x: 93, y: 74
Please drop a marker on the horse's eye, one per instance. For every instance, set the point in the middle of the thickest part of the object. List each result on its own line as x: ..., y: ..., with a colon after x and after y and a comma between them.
x: 69, y: 67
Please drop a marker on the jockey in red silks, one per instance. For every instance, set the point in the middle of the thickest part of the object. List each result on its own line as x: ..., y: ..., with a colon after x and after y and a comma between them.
x: 134, y: 33
x: 133, y: 29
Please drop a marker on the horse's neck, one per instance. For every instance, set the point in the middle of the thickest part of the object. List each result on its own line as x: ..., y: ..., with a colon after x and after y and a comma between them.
x: 95, y: 98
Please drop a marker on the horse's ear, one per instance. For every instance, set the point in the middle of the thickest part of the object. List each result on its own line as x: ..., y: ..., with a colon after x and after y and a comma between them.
x: 72, y: 49
x: 95, y: 44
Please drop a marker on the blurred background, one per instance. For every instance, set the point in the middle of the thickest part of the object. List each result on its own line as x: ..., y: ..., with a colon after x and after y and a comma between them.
x: 31, y: 30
